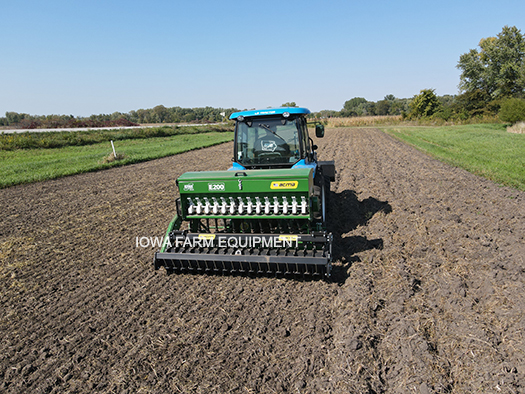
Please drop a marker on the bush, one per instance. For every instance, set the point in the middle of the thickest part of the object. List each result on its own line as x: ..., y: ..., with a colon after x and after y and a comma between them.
x: 443, y: 114
x: 512, y: 110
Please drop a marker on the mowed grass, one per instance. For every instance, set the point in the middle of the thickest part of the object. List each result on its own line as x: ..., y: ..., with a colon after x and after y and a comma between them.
x: 31, y: 165
x: 487, y: 150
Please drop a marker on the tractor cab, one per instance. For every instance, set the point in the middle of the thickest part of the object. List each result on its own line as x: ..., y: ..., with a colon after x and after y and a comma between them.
x: 273, y: 138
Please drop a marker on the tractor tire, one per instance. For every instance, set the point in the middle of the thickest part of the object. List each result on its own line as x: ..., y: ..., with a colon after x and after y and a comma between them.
x: 325, y: 198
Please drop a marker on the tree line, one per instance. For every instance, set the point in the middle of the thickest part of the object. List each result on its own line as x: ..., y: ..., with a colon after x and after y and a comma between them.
x: 389, y: 105
x: 158, y: 114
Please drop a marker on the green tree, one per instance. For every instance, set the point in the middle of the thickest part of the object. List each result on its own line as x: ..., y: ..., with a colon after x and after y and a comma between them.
x: 383, y: 107
x: 472, y: 103
x: 160, y: 114
x: 289, y: 104
x: 521, y: 78
x: 497, y: 69
x: 512, y: 110
x: 14, y: 117
x: 424, y: 105
x: 354, y: 103
x: 354, y: 107
x: 387, y: 105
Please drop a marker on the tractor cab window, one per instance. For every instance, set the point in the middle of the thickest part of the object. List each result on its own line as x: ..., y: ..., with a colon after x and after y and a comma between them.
x: 268, y: 141
x: 305, y: 134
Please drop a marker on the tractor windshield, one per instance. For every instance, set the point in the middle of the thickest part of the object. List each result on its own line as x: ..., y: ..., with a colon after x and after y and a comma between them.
x: 267, y: 141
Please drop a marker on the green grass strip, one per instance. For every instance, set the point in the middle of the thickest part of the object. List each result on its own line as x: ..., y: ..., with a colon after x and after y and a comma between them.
x: 31, y: 165
x: 487, y: 150
x: 60, y: 138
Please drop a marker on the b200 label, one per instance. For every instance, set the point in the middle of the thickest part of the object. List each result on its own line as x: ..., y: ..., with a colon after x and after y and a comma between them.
x: 216, y: 187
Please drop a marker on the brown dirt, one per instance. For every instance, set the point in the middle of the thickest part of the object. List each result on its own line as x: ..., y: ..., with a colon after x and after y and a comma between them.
x: 427, y: 296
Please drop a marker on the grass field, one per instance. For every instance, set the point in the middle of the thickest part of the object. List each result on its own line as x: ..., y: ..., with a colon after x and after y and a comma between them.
x: 483, y: 149
x: 30, y: 165
x: 60, y: 138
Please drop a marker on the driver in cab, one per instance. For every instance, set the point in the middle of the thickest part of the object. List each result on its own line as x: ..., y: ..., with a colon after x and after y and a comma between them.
x: 270, y: 144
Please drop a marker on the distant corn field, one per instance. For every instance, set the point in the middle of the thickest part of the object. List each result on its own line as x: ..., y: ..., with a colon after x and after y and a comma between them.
x: 390, y: 120
x: 359, y: 121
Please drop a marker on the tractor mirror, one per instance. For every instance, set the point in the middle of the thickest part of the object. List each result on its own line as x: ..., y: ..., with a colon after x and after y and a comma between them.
x: 319, y: 130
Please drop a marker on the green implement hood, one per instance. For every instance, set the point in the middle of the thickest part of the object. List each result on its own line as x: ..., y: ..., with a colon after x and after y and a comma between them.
x: 276, y: 193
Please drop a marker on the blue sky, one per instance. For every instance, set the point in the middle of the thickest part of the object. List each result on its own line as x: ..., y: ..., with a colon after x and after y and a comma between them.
x: 92, y: 57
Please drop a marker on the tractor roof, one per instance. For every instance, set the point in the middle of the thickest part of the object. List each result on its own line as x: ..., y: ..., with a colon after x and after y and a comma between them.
x: 271, y: 112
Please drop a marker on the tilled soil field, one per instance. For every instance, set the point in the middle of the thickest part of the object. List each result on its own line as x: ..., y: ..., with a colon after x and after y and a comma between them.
x: 427, y: 293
